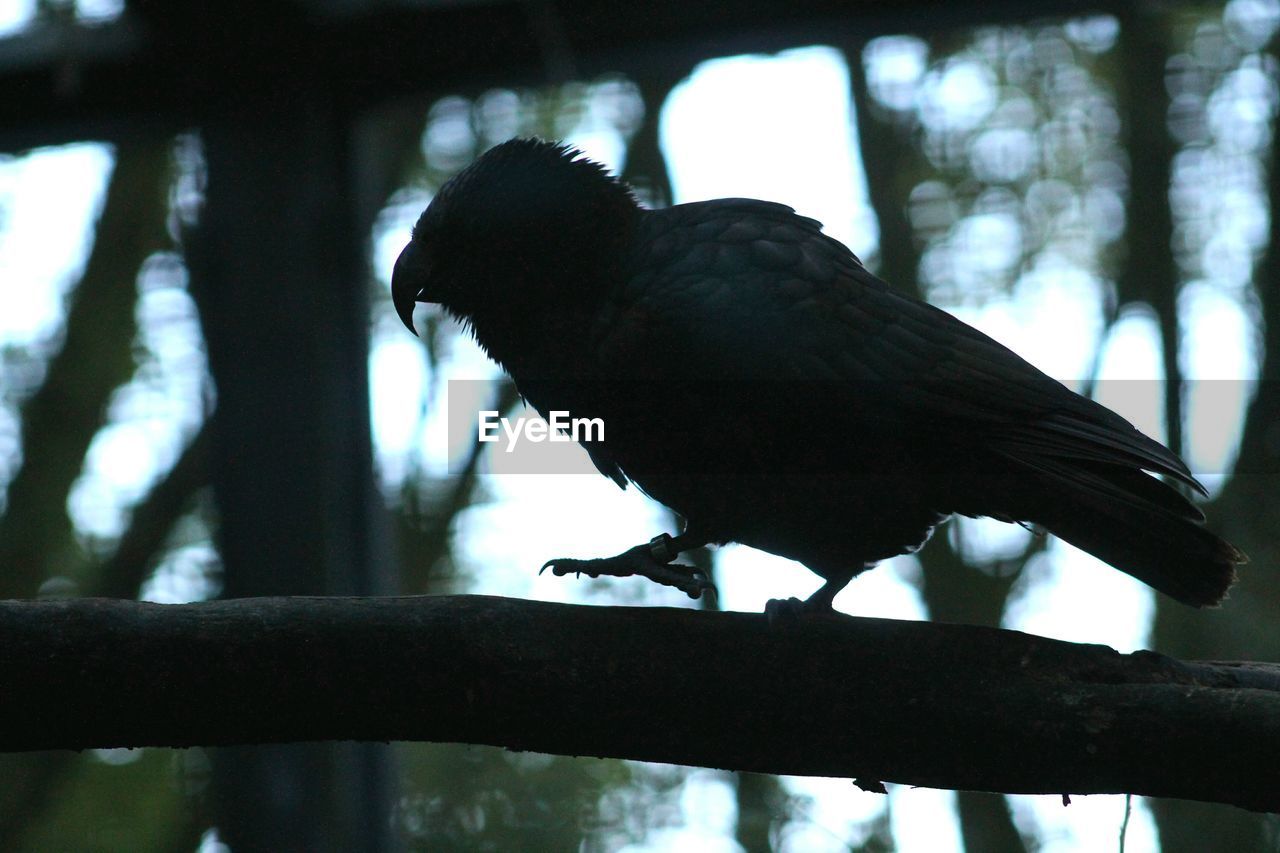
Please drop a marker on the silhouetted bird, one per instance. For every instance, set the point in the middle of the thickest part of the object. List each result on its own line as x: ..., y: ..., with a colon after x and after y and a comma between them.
x: 756, y: 379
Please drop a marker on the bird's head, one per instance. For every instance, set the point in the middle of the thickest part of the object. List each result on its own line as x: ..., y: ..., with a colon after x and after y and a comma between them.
x: 529, y: 223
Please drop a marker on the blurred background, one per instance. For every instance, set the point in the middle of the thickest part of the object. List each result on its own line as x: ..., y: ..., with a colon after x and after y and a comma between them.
x: 204, y: 390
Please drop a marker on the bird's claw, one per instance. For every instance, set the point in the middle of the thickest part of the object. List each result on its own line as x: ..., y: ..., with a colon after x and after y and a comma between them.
x: 789, y: 611
x: 651, y: 560
x: 783, y: 610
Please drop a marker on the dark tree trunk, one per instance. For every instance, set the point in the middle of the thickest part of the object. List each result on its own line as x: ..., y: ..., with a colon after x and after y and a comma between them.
x: 277, y: 268
x: 1243, y: 513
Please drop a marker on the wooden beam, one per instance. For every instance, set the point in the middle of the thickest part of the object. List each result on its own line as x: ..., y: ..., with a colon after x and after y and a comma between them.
x: 172, y: 63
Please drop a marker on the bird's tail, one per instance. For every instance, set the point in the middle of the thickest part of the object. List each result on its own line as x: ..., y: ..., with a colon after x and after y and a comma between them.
x: 1138, y: 524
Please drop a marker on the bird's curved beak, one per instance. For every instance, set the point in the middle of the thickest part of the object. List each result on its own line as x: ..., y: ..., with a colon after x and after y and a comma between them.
x: 406, y: 284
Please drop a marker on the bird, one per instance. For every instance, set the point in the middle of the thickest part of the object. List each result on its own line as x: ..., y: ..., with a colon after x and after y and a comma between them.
x: 754, y: 377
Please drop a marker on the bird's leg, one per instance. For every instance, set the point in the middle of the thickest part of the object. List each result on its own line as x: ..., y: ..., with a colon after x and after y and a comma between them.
x: 818, y: 603
x: 822, y: 599
x: 652, y: 560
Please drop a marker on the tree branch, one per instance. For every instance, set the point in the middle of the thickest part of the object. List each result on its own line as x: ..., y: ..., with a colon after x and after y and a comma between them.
x: 152, y: 521
x: 60, y: 420
x: 919, y: 703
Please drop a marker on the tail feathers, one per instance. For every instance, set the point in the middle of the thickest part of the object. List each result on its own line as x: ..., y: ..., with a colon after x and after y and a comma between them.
x: 1139, y: 525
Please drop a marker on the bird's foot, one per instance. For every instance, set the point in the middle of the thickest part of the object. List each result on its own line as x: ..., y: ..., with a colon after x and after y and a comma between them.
x: 651, y: 560
x: 821, y: 603
x: 781, y: 611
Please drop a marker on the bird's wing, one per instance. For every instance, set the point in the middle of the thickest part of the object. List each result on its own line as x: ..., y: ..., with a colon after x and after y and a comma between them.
x: 739, y: 289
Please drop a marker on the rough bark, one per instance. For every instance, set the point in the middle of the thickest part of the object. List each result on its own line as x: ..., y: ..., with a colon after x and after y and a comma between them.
x: 917, y: 703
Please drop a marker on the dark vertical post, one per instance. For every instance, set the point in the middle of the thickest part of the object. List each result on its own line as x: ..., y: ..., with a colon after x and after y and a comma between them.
x: 279, y: 272
x: 1150, y: 273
